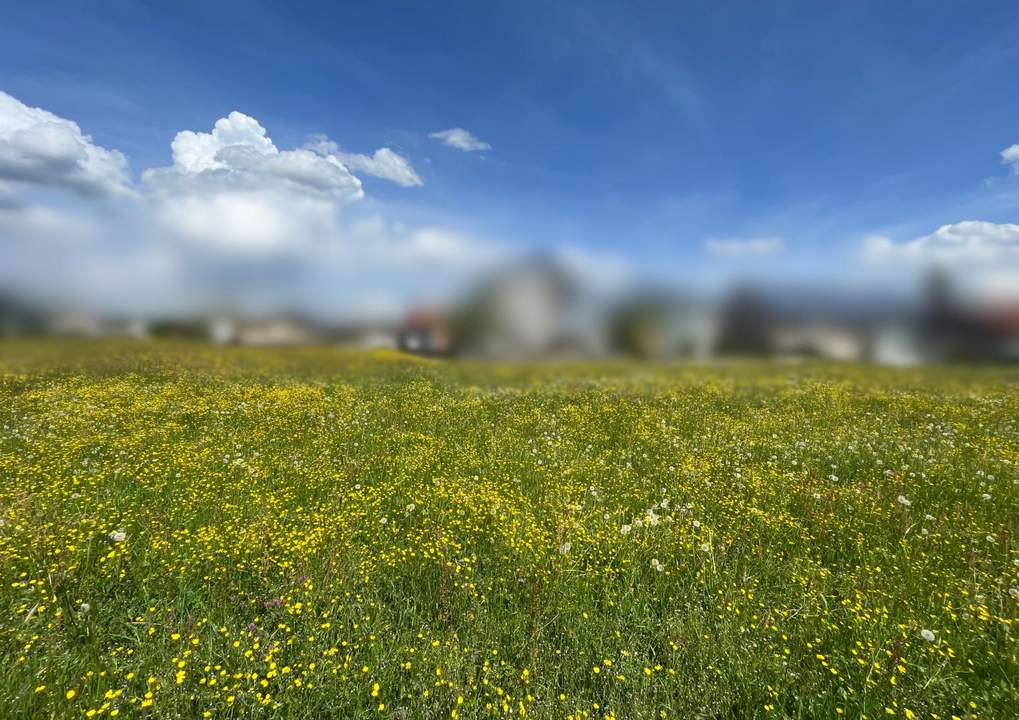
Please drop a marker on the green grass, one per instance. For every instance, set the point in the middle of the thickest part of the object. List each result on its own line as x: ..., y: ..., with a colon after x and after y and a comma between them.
x: 314, y: 533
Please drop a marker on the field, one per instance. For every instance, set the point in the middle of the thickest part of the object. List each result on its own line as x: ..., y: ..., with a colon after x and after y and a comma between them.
x: 189, y: 532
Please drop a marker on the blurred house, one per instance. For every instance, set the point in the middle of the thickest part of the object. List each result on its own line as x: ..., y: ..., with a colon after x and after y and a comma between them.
x: 536, y: 308
x: 748, y: 323
x: 662, y: 325
x: 896, y: 343
x: 530, y: 309
x: 954, y: 330
x: 282, y: 330
x: 368, y: 336
x: 820, y: 339
x: 846, y: 326
x: 519, y: 311
x: 82, y: 322
x: 20, y: 318
x: 268, y: 330
x: 426, y: 331
x: 76, y: 322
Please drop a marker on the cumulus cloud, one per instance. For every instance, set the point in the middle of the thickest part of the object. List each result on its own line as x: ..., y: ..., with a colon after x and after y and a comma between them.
x: 983, y: 255
x: 233, y: 220
x: 742, y: 247
x: 43, y: 149
x: 460, y: 139
x: 384, y: 163
x: 196, y: 151
x: 232, y: 190
x: 967, y: 241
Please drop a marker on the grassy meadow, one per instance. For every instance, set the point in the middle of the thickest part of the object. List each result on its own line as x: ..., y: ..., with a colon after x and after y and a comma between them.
x: 192, y: 532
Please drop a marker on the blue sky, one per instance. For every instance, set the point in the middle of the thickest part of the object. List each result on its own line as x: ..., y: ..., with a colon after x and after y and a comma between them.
x: 680, y: 140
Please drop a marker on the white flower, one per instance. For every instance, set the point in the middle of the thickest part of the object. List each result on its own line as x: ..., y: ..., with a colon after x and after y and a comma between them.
x: 985, y: 497
x: 903, y: 501
x: 927, y: 635
x: 657, y: 565
x: 652, y: 519
x: 85, y: 607
x: 1014, y: 592
x: 384, y: 520
x: 118, y: 536
x: 928, y: 518
x: 665, y: 503
x: 696, y: 523
x: 565, y: 548
x: 817, y: 496
x: 705, y: 547
x: 411, y: 507
x: 625, y: 530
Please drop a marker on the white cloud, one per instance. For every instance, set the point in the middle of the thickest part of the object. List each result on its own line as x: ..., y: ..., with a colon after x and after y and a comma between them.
x: 741, y: 247
x: 239, y: 156
x: 983, y: 256
x: 967, y: 241
x: 43, y: 149
x: 196, y: 151
x: 234, y: 220
x: 1010, y: 156
x: 440, y: 246
x: 384, y: 163
x: 232, y: 190
x: 395, y: 245
x: 460, y: 139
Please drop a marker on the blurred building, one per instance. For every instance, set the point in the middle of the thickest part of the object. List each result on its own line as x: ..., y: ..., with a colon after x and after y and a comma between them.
x: 426, y: 331
x: 537, y: 308
x: 663, y: 325
x: 20, y: 318
x: 955, y: 330
x: 529, y: 309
